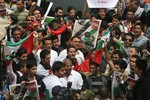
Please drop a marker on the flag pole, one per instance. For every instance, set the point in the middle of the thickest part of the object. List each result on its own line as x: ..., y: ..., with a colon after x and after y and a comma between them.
x: 48, y: 9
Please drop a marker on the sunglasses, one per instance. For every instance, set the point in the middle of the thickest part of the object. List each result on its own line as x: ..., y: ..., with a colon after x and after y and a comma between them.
x: 128, y: 40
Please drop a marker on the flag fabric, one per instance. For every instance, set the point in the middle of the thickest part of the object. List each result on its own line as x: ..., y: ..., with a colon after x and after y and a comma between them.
x: 84, y: 66
x: 58, y: 31
x: 4, y: 23
x: 49, y: 19
x: 100, y: 47
x: 25, y: 43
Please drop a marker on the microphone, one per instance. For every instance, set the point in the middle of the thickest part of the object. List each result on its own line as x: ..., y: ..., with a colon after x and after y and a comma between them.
x: 69, y: 84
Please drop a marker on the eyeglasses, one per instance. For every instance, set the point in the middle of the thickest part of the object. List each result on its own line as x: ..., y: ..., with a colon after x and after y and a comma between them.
x: 2, y: 2
x: 128, y: 40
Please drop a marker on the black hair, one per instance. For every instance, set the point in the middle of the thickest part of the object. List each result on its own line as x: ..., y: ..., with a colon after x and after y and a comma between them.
x: 136, y: 56
x: 117, y: 16
x: 75, y: 37
x: 14, y: 18
x: 54, y: 37
x: 23, y: 24
x: 31, y: 64
x: 44, y: 52
x: 43, y: 31
x: 57, y: 66
x: 15, y: 29
x: 47, y: 38
x: 57, y: 8
x: 71, y: 46
x: 129, y: 34
x: 21, y: 51
x: 117, y: 30
x: 141, y: 64
x: 21, y: 64
x: 71, y: 8
x: 136, y: 1
x: 140, y: 24
x: 104, y: 92
x: 118, y: 52
x: 136, y: 48
x: 121, y: 63
x: 21, y: 1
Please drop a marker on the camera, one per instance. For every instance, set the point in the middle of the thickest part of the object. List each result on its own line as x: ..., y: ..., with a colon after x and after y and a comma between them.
x: 63, y: 93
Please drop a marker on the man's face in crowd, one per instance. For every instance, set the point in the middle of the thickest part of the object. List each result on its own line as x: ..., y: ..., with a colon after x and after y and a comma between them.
x: 40, y: 36
x: 29, y: 21
x: 102, y: 12
x: 37, y: 14
x: 132, y: 51
x: 127, y: 3
x: 61, y: 72
x: 93, y: 69
x: 115, y: 57
x: 137, y: 30
x: 115, y: 22
x: 20, y: 5
x: 130, y: 15
x: 17, y: 35
x: 23, y: 57
x: 68, y: 67
x: 59, y: 12
x: 117, y: 68
x: 72, y: 13
x: 128, y: 41
x: 132, y: 62
x: 2, y: 4
x: 72, y: 53
x: 48, y: 44
x: 46, y: 60
x: 76, y: 42
x: 55, y: 43
x: 33, y: 70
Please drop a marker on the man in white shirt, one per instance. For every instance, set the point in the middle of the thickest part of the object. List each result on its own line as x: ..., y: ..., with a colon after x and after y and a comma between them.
x: 53, y: 80
x: 47, y: 44
x: 44, y: 67
x: 72, y: 76
x: 75, y: 41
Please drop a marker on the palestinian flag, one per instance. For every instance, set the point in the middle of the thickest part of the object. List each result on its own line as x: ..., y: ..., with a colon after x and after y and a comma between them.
x: 100, y: 47
x: 49, y: 19
x: 25, y: 43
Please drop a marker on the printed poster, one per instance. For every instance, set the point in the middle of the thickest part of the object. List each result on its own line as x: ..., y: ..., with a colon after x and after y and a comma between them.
x: 88, y: 31
x: 25, y: 92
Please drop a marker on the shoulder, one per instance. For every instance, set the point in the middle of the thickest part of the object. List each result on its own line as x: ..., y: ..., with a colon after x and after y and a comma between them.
x: 53, y: 52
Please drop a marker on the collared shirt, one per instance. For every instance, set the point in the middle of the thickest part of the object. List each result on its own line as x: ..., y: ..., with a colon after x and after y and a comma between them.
x: 140, y: 41
x: 52, y: 81
x: 75, y: 78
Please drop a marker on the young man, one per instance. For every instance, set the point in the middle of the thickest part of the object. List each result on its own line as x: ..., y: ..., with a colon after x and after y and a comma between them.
x: 44, y: 68
x: 53, y: 80
x: 140, y: 39
x: 21, y: 12
x: 47, y: 44
x: 75, y: 41
x: 55, y: 44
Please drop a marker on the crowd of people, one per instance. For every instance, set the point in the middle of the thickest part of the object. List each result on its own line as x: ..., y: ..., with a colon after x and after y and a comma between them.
x: 60, y: 62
